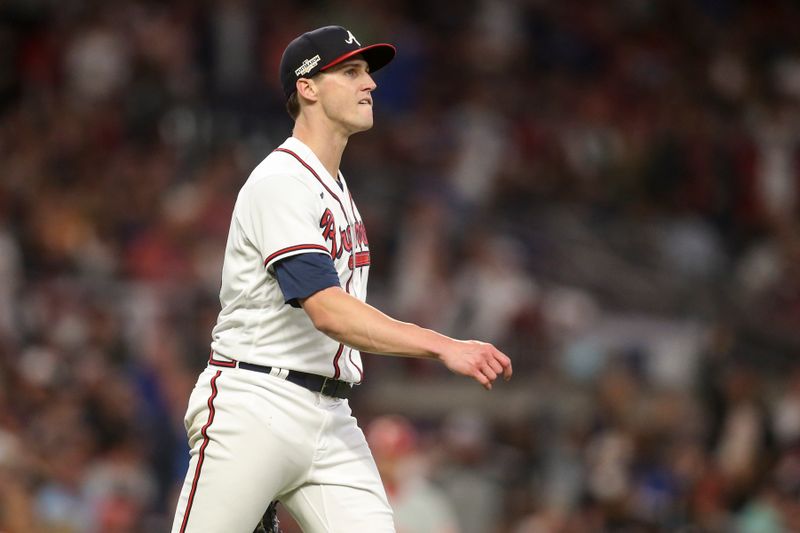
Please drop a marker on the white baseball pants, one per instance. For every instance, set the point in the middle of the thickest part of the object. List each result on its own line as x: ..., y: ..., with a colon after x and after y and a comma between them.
x: 255, y: 438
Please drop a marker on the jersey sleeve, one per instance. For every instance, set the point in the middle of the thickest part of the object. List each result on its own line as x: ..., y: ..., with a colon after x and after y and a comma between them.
x: 281, y: 216
x: 300, y: 276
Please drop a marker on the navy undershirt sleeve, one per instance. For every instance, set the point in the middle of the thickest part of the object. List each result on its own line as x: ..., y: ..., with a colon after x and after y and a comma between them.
x: 302, y: 275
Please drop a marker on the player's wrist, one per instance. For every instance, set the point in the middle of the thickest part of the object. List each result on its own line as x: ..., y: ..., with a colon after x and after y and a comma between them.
x: 437, y: 345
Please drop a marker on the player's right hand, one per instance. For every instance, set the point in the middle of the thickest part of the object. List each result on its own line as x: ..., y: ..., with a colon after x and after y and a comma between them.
x: 478, y: 360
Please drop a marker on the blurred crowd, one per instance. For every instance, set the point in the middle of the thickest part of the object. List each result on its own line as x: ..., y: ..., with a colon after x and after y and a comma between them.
x: 606, y: 190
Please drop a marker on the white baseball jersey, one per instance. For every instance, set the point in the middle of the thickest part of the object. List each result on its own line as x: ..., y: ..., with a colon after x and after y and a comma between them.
x: 289, y: 205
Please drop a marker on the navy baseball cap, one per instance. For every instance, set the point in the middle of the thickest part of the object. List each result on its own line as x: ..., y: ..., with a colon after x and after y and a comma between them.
x: 320, y: 49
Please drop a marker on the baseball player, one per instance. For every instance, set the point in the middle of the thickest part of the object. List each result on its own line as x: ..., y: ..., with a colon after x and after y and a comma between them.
x: 269, y: 418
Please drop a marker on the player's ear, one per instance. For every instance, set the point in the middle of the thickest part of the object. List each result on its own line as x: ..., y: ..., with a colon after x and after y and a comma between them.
x: 307, y: 89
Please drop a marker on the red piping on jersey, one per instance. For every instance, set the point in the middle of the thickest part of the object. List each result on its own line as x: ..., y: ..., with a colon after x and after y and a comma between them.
x: 360, y: 371
x: 294, y: 249
x: 336, y: 372
x: 336, y: 361
x: 347, y: 289
x: 355, y: 241
x: 314, y: 172
x: 361, y: 260
x: 203, y: 447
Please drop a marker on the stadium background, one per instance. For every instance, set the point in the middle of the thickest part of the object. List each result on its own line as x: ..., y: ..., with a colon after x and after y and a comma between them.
x: 606, y: 190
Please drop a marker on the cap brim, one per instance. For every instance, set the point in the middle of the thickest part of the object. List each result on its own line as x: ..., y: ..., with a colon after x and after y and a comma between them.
x: 376, y: 56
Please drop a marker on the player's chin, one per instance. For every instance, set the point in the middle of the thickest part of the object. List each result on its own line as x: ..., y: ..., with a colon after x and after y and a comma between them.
x: 363, y: 123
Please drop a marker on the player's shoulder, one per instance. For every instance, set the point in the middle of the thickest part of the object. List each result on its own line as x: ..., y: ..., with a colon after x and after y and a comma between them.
x: 276, y: 165
x: 277, y: 172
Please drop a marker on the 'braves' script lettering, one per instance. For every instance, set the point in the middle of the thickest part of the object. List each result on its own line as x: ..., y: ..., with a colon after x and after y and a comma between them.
x: 342, y: 241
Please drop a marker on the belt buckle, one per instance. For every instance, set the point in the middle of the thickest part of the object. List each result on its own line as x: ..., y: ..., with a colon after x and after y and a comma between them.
x: 335, y: 388
x: 324, y: 388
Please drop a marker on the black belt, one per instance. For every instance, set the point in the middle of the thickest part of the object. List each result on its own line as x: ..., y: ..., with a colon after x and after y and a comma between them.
x: 313, y: 382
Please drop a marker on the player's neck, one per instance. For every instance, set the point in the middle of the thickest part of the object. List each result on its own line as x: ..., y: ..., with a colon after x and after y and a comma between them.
x: 327, y: 146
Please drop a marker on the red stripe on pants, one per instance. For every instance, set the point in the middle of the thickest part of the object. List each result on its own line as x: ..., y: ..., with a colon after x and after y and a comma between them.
x: 202, y: 454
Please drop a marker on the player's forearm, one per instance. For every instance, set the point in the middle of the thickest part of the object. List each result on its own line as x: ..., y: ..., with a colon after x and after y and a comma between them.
x: 361, y: 326
x: 352, y: 322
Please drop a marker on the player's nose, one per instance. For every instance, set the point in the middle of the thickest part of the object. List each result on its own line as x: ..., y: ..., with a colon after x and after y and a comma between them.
x: 370, y: 84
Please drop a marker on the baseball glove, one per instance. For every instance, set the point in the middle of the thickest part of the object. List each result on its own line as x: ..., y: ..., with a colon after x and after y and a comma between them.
x: 269, y: 522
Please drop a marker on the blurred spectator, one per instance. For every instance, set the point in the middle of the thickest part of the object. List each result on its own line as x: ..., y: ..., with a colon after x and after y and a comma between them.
x: 481, y: 140
x: 10, y: 283
x: 418, y: 505
x: 97, y: 61
x: 421, y: 292
x: 232, y: 40
x: 466, y: 473
x: 776, y: 136
x: 744, y: 446
x: 491, y: 291
x: 786, y: 412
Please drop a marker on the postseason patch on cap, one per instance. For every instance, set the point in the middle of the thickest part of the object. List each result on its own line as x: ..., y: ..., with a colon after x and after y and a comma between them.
x: 307, y: 65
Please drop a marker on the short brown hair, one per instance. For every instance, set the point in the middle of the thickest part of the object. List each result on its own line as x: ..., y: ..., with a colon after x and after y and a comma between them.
x: 293, y: 106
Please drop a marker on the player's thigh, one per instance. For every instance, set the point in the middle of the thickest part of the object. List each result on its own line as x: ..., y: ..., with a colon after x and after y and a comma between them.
x: 339, y: 509
x: 343, y: 492
x: 239, y: 459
